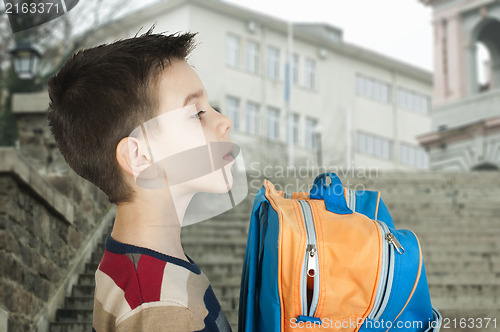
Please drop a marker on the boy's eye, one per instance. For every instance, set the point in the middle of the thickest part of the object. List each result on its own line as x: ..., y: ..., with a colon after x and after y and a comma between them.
x: 198, y: 115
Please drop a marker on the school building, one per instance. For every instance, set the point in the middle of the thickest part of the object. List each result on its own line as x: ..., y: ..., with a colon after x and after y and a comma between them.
x: 347, y: 106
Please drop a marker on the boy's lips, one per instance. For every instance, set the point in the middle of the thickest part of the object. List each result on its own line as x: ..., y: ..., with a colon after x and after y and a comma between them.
x: 229, y: 155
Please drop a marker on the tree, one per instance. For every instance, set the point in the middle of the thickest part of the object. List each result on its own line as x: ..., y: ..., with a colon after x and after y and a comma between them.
x: 57, y: 40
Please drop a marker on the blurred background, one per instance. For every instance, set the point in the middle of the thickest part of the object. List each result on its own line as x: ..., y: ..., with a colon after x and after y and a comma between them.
x: 401, y: 96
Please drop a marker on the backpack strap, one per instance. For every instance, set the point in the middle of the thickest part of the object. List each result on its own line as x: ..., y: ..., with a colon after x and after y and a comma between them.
x: 351, y: 198
x: 332, y: 193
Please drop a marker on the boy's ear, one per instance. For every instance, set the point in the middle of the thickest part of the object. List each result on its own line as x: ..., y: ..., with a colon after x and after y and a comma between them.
x: 132, y: 155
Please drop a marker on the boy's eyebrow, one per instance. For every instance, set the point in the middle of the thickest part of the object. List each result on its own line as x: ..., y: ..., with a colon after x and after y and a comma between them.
x: 194, y: 95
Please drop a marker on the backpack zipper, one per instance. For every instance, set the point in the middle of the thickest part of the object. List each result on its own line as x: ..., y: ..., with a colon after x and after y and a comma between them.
x: 310, y: 261
x: 388, y: 260
x: 391, y: 245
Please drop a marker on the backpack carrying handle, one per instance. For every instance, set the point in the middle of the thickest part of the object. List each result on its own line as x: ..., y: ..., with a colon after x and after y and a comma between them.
x: 332, y: 193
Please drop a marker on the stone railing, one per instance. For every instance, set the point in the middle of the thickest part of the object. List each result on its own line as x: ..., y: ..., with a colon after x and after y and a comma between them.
x: 45, y: 235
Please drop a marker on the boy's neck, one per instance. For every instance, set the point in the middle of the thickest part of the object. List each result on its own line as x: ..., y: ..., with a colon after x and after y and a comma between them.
x: 151, y: 223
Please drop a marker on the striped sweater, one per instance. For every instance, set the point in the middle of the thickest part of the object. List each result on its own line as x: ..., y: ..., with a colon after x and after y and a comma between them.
x: 138, y: 289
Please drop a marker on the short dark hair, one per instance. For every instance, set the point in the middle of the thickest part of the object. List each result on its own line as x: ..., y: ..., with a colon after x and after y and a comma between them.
x: 101, y: 94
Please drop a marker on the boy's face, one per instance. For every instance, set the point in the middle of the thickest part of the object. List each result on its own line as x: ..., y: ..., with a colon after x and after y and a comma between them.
x: 188, y: 141
x: 180, y: 87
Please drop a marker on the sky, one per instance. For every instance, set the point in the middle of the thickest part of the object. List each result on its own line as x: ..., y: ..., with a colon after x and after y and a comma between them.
x: 401, y: 29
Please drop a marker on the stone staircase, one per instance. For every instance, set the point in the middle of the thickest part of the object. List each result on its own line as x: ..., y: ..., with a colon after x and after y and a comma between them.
x: 457, y: 219
x: 455, y: 215
x: 76, y: 315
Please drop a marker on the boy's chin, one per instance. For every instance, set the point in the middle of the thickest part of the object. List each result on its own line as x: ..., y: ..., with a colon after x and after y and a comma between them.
x: 214, y: 182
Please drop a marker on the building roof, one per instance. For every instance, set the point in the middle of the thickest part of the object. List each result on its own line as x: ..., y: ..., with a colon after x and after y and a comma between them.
x: 323, y: 35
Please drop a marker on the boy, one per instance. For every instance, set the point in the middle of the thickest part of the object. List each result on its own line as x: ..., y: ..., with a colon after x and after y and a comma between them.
x: 99, y: 99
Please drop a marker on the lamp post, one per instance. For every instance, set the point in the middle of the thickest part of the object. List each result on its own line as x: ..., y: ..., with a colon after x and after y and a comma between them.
x: 26, y: 58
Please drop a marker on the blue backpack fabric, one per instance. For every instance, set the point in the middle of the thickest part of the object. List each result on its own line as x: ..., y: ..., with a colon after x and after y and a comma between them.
x: 400, y: 302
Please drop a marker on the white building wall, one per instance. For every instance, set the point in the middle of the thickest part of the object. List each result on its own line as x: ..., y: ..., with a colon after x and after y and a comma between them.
x: 334, y: 102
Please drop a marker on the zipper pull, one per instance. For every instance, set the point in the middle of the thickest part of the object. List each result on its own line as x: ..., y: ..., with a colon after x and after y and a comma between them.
x: 392, y: 240
x: 311, y: 260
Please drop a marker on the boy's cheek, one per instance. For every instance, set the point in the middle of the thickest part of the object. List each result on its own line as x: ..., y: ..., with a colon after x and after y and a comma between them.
x: 174, y: 132
x: 177, y: 139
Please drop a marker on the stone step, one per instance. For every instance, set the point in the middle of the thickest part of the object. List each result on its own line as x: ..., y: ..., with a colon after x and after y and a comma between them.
x: 430, y: 256
x: 457, y: 259
x: 189, y: 239
x: 446, y: 222
x: 464, y: 278
x: 229, y: 302
x: 86, y: 279
x: 79, y: 302
x: 476, y: 233
x: 449, y: 241
x: 74, y: 315
x: 227, y: 288
x: 91, y: 267
x: 235, y: 227
x: 458, y: 267
x: 420, y: 222
x: 471, y: 290
x: 438, y: 212
x: 208, y: 243
x: 71, y: 326
x: 199, y: 254
x: 222, y: 268
x: 463, y: 302
x: 457, y: 200
x: 224, y: 232
x: 96, y: 257
x: 439, y: 229
x: 83, y: 290
x: 455, y: 179
x: 480, y: 247
x: 241, y: 217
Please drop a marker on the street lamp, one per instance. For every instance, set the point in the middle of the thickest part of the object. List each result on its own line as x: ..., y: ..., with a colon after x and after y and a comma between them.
x: 26, y: 59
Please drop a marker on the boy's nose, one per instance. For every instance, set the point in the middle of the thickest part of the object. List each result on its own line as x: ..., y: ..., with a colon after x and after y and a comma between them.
x: 224, y: 124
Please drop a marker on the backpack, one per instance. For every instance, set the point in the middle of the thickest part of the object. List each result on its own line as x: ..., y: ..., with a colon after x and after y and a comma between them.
x: 331, y: 259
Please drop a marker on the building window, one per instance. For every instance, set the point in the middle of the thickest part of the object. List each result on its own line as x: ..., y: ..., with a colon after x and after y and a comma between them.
x: 273, y: 123
x: 253, y: 118
x: 294, y: 130
x: 310, y: 74
x: 233, y: 111
x: 252, y: 56
x: 295, y: 69
x: 273, y: 62
x: 413, y: 101
x: 233, y: 51
x: 310, y: 133
x: 414, y: 156
x: 372, y: 88
x: 374, y: 145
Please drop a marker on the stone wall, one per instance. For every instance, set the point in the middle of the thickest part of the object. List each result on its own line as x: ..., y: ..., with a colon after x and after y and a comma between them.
x: 36, y: 143
x: 42, y: 233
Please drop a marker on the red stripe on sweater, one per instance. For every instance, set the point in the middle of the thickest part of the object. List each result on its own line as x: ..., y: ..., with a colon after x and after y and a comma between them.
x: 150, y: 275
x: 121, y: 269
